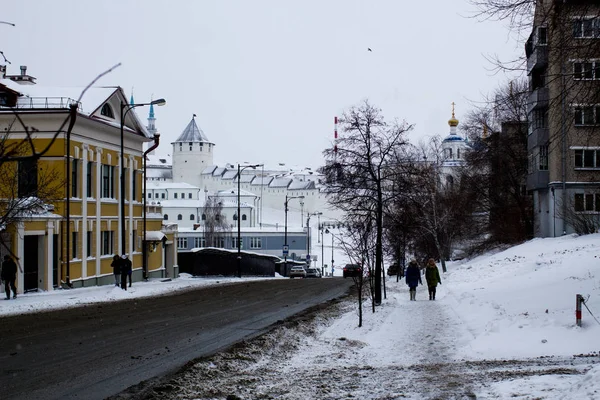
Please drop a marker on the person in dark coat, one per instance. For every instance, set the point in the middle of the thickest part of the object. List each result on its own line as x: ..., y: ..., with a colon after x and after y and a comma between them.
x: 125, y: 270
x: 9, y: 276
x: 116, y: 265
x: 432, y: 276
x: 413, y: 278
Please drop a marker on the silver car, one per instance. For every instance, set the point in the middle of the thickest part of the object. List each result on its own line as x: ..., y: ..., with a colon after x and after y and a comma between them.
x: 297, y: 272
x: 313, y: 273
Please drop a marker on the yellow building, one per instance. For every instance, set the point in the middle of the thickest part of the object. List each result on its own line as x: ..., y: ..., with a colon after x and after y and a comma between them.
x: 69, y: 224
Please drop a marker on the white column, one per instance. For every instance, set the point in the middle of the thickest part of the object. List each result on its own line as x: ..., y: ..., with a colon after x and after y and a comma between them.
x: 20, y: 257
x: 98, y: 207
x: 131, y: 164
x: 84, y: 216
x: 50, y: 257
x: 121, y: 198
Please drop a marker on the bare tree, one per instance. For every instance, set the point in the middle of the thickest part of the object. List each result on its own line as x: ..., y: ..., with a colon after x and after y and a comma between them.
x: 215, y: 225
x: 357, y: 170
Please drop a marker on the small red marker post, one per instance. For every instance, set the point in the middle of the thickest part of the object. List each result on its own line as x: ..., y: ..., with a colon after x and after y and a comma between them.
x: 578, y: 301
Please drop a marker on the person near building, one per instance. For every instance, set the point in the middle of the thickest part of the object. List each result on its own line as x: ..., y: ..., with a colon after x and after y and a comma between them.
x: 125, y: 270
x: 432, y: 276
x: 9, y: 276
x: 116, y: 266
x: 413, y: 278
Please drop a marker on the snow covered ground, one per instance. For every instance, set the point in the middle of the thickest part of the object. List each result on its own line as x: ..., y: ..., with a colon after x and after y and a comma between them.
x: 502, y: 327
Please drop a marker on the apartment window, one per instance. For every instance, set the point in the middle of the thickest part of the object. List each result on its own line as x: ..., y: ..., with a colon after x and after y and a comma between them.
x: 244, y: 217
x: 587, y: 202
x: 539, y: 118
x: 199, y: 242
x: 182, y: 243
x: 179, y: 217
x: 74, y: 180
x: 166, y: 217
x: 587, y: 115
x: 587, y: 158
x: 27, y: 185
x: 586, y: 28
x: 189, y: 195
x: 174, y: 195
x: 255, y: 243
x: 108, y: 181
x: 183, y: 195
x: 542, y: 35
x: 586, y: 70
x: 90, y: 189
x: 162, y: 196
x: 156, y: 195
x: 107, y: 242
x: 74, y: 244
x: 234, y: 242
x: 88, y: 239
x: 543, y: 166
x: 203, y: 217
x: 150, y: 195
x: 134, y: 185
x: 220, y: 242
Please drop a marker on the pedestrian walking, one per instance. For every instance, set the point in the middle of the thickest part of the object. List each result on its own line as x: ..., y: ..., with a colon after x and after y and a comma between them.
x: 116, y: 265
x: 413, y: 278
x: 125, y: 270
x: 9, y: 276
x: 432, y: 276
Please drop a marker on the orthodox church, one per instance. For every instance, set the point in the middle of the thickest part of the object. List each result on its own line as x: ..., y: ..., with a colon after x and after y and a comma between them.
x: 454, y: 148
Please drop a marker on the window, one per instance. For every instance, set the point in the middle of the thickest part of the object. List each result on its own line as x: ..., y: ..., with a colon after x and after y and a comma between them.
x: 587, y: 115
x: 587, y: 202
x: 183, y: 195
x: 27, y: 178
x: 162, y: 195
x: 220, y: 242
x: 180, y: 146
x: 179, y: 217
x: 107, y: 242
x: 587, y: 158
x: 134, y: 236
x: 88, y: 240
x: 189, y: 195
x: 585, y: 28
x: 90, y: 190
x: 255, y: 243
x: 191, y: 146
x: 203, y: 217
x: 108, y: 181
x: 166, y: 217
x: 192, y: 217
x: 150, y: 195
x: 542, y: 35
x: 543, y: 166
x: 174, y: 195
x: 182, y: 243
x: 107, y: 111
x: 244, y: 217
x: 134, y: 186
x: 74, y: 244
x: 586, y: 70
x: 234, y: 242
x: 199, y: 242
x: 235, y: 217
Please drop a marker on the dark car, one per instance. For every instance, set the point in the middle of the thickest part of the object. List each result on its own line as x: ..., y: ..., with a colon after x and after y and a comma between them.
x: 352, y: 270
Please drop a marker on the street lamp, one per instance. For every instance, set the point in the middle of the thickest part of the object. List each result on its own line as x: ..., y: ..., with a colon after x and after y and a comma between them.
x: 327, y: 231
x: 308, y: 247
x: 239, y: 232
x: 125, y: 108
x: 285, y: 244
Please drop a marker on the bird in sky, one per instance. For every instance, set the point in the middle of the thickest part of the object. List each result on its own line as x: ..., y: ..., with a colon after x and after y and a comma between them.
x: 369, y: 49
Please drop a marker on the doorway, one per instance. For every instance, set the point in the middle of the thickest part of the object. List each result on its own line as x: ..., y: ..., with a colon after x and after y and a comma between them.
x: 30, y: 263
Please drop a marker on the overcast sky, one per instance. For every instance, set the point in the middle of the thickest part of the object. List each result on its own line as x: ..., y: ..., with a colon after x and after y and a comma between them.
x: 265, y: 78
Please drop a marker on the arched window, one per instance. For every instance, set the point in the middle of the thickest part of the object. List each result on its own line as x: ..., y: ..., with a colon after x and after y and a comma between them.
x: 203, y: 217
x: 166, y: 217
x: 179, y: 217
x: 192, y: 217
x: 235, y: 217
x: 243, y: 217
x: 107, y: 111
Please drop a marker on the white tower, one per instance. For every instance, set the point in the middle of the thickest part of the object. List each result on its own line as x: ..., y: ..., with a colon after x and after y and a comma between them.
x: 192, y: 153
x: 454, y: 148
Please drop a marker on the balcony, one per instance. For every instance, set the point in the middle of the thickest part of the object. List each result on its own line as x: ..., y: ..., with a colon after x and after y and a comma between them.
x: 538, y: 180
x: 538, y: 99
x: 538, y: 137
x: 538, y: 58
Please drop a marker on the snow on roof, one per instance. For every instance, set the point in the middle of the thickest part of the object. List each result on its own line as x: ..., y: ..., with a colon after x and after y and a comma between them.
x: 192, y: 133
x: 230, y: 174
x: 219, y: 171
x: 157, y: 161
x: 182, y: 203
x: 170, y: 185
x: 262, y: 180
x: 233, y: 192
x: 280, y: 182
x: 209, y: 170
x: 304, y: 185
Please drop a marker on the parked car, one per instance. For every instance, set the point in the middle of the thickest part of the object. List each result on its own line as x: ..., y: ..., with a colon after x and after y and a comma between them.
x: 313, y: 273
x: 352, y: 270
x: 297, y: 272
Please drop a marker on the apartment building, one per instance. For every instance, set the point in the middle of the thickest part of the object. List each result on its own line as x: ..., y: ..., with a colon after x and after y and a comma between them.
x: 563, y: 65
x: 80, y: 218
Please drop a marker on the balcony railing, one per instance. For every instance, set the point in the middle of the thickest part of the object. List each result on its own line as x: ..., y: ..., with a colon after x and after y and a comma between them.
x: 46, y: 102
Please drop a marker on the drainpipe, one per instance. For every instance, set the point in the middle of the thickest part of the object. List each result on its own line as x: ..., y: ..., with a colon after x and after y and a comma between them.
x: 144, y: 244
x: 73, y: 117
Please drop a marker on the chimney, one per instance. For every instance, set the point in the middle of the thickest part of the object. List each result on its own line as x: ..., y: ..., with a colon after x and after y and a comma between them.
x: 23, y: 70
x: 2, y: 71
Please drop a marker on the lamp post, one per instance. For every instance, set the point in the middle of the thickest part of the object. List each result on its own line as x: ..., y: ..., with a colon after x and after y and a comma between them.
x: 285, y: 244
x: 145, y: 242
x: 239, y: 231
x: 125, y: 108
x: 308, y: 247
x: 327, y: 231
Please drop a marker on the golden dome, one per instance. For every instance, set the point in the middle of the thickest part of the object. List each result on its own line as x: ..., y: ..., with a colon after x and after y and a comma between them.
x: 453, y: 121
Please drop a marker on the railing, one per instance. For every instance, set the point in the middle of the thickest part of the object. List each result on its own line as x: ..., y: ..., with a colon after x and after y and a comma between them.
x: 46, y: 102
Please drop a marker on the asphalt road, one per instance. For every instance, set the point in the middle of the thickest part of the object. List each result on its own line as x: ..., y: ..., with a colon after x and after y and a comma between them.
x: 96, y: 351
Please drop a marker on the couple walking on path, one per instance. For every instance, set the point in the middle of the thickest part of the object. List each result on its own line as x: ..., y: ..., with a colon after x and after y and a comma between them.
x: 413, y: 278
x: 122, y: 268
